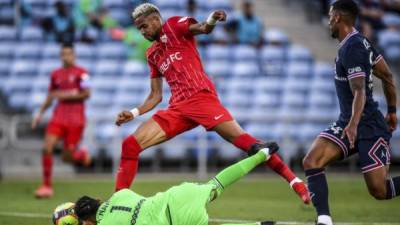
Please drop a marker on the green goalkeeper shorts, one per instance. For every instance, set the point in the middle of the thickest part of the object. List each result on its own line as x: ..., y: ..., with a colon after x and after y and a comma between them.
x: 187, y: 203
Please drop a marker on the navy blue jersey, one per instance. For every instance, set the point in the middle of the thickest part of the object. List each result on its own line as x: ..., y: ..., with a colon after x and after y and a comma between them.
x: 356, y: 58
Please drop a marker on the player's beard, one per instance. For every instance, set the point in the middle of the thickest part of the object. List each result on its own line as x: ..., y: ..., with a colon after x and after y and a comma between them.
x: 334, y: 34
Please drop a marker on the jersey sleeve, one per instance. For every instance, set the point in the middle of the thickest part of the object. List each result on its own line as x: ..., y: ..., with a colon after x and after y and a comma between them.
x: 52, y: 84
x: 154, y: 73
x: 376, y: 56
x: 181, y: 25
x: 85, y: 80
x: 357, y: 61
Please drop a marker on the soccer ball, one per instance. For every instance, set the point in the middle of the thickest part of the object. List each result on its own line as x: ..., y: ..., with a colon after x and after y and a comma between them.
x: 64, y: 215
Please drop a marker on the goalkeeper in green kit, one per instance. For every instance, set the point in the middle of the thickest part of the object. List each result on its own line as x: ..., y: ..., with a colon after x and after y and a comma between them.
x: 184, y: 204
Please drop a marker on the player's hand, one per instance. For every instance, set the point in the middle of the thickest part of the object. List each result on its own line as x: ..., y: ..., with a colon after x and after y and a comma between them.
x: 123, y: 117
x: 219, y: 15
x: 391, y: 119
x: 350, y: 131
x: 36, y: 120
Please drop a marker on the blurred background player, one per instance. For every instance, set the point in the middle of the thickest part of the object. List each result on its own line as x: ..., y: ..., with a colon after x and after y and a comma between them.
x: 361, y: 127
x: 70, y: 88
x: 194, y: 99
x: 182, y: 205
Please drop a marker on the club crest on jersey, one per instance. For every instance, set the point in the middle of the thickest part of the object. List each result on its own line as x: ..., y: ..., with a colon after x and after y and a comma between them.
x: 163, y: 38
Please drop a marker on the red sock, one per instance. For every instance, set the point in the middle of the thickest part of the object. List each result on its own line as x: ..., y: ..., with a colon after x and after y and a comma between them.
x: 128, y: 164
x: 78, y: 156
x: 276, y: 164
x: 244, y: 142
x: 47, y: 165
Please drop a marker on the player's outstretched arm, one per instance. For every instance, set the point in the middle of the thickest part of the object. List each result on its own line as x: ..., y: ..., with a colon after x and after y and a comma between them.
x: 382, y: 71
x: 208, y: 26
x: 154, y: 98
x: 46, y: 104
x: 71, y: 96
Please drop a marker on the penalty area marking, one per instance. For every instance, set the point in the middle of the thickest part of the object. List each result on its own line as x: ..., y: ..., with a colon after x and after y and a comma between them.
x: 215, y: 220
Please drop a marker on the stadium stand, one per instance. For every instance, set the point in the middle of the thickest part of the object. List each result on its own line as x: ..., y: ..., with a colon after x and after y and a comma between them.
x: 277, y: 91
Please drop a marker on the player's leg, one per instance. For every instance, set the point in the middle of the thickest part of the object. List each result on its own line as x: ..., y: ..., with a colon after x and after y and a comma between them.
x: 375, y: 160
x: 232, y: 132
x: 146, y: 135
x: 71, y: 152
x: 53, y: 134
x: 322, y: 152
x: 236, y: 171
x: 164, y: 125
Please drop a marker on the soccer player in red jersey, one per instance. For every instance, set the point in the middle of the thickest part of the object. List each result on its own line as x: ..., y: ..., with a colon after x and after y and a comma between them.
x: 69, y: 86
x: 194, y: 100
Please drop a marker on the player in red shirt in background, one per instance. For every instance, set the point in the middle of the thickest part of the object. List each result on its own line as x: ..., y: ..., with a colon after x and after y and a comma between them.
x: 69, y: 86
x: 194, y: 100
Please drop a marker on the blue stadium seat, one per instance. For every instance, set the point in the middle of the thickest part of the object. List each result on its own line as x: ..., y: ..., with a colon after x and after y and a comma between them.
x: 218, y: 52
x: 103, y: 84
x: 238, y: 100
x: 228, y: 154
x: 299, y: 70
x: 220, y: 4
x: 266, y: 100
x: 107, y: 67
x: 47, y: 66
x: 318, y: 114
x: 263, y: 131
x: 18, y: 99
x: 218, y: 68
x: 245, y: 69
x: 135, y: 68
x: 324, y: 70
x: 296, y: 84
x: 169, y: 5
x: 111, y: 50
x: 7, y: 33
x: 275, y: 36
x: 240, y: 85
x: 51, y: 51
x: 294, y: 99
x: 36, y: 99
x: 244, y: 53
x: 391, y: 19
x: 27, y: 51
x: 4, y: 69
x: 17, y: 85
x: 31, y: 34
x: 273, y: 60
x: 322, y: 99
x: 7, y: 50
x: 299, y: 53
x: 115, y: 4
x: 85, y: 51
x: 323, y: 85
x: 100, y: 99
x: 389, y: 41
x: 269, y: 84
x: 41, y: 84
x: 24, y: 68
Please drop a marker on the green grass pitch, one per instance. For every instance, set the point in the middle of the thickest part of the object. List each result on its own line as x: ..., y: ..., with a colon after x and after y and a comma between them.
x: 251, y: 199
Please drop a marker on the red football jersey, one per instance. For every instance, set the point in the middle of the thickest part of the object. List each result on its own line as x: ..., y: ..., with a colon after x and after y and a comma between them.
x: 71, y: 79
x: 175, y: 57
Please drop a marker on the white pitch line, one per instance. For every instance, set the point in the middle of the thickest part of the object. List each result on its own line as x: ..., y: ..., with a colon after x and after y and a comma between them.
x: 216, y: 220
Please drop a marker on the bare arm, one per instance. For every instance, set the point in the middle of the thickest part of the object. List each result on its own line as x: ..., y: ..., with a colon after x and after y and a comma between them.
x: 205, y: 27
x: 154, y: 98
x: 46, y: 104
x: 382, y: 71
x: 357, y: 86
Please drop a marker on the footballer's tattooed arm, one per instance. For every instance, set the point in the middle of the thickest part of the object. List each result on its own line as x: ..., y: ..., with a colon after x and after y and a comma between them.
x: 382, y: 71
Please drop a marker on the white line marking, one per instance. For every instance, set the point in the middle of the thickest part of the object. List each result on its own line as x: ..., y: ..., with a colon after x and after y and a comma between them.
x: 215, y: 220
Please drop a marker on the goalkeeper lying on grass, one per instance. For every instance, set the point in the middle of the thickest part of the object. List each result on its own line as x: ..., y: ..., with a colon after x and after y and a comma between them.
x: 184, y: 204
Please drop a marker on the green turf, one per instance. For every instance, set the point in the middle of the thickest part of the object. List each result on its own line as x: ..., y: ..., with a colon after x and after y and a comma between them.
x: 249, y: 199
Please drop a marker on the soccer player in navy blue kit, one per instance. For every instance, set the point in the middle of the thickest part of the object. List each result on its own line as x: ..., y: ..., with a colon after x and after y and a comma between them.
x: 361, y: 127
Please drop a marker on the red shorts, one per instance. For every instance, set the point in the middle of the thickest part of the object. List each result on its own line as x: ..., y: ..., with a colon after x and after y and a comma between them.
x: 70, y: 134
x: 203, y: 109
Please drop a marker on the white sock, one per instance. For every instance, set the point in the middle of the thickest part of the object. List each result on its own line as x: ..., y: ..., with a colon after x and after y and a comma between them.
x: 266, y: 152
x: 325, y: 219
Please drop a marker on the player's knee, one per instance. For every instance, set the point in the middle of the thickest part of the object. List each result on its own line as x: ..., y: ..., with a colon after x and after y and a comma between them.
x: 309, y: 162
x: 378, y: 193
x: 130, y: 148
x: 67, y: 156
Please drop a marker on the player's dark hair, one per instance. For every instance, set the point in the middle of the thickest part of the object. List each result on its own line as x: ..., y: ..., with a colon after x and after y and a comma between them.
x: 348, y: 7
x: 86, y: 207
x: 68, y: 45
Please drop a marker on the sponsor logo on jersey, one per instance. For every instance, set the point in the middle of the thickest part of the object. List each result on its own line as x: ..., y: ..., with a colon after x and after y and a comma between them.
x: 354, y: 70
x: 170, y: 59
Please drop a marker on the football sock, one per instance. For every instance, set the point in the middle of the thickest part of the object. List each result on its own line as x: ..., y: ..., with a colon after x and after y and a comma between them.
x: 128, y: 164
x: 236, y: 171
x: 78, y: 156
x: 392, y: 187
x: 245, y: 142
x: 318, y: 188
x: 47, y: 165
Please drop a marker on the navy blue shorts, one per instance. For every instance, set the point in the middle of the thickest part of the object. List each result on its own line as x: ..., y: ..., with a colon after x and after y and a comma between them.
x: 374, y: 151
